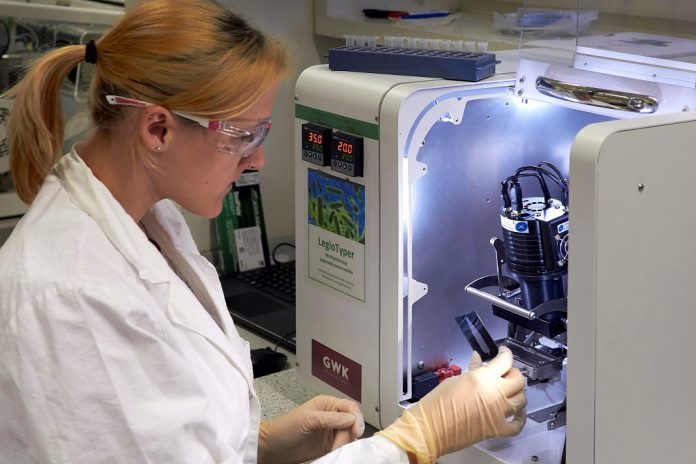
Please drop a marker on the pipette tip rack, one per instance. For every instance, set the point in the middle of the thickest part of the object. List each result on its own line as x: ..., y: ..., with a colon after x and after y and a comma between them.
x: 455, y: 65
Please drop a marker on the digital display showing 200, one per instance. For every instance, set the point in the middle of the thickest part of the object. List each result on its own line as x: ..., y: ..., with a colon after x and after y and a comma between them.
x: 346, y: 154
x: 345, y: 151
x: 345, y: 147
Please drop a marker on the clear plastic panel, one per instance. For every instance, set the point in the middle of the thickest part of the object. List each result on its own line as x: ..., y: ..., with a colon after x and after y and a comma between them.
x: 624, y: 58
x: 643, y: 31
x: 640, y: 31
x: 549, y: 29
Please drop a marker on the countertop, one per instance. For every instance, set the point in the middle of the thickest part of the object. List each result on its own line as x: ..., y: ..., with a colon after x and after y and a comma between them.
x: 280, y: 392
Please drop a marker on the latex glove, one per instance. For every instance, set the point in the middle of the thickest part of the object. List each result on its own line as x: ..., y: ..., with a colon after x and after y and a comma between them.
x: 463, y: 410
x: 314, y: 428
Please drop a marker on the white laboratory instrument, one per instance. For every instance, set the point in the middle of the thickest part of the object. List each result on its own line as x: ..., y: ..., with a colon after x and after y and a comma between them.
x: 398, y: 200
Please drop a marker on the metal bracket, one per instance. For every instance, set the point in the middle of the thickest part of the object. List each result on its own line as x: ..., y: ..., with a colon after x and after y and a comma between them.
x: 554, y: 416
x: 499, y: 247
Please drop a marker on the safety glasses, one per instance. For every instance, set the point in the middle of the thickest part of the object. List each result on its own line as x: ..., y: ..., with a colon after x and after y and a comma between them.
x: 231, y: 139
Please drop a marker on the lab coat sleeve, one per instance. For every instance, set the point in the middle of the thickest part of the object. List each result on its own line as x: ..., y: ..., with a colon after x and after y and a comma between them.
x: 375, y: 450
x: 90, y: 376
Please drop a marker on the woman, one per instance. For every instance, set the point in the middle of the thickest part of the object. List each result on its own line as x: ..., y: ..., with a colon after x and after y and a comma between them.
x: 115, y: 341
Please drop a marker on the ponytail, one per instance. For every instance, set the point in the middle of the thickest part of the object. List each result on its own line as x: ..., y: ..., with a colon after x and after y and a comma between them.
x: 192, y: 56
x: 35, y: 125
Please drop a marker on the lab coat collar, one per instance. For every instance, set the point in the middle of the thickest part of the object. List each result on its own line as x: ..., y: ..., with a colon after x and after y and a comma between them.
x: 92, y: 196
x: 201, y: 277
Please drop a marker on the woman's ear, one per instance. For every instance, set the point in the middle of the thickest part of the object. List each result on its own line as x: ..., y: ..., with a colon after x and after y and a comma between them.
x: 155, y: 127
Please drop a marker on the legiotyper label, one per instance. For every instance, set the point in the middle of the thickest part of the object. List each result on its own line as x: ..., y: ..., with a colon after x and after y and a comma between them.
x: 336, y: 233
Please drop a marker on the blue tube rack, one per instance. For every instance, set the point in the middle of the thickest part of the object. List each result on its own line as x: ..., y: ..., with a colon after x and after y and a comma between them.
x: 455, y: 65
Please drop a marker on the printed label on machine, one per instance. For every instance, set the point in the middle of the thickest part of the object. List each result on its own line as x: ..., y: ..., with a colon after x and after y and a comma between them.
x: 340, y: 372
x: 336, y: 233
x: 514, y: 226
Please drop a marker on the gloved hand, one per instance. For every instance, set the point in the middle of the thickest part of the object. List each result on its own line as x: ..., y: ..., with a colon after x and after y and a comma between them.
x: 463, y: 410
x: 314, y: 428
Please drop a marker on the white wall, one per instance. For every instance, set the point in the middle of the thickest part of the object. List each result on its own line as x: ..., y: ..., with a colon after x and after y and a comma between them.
x: 292, y: 21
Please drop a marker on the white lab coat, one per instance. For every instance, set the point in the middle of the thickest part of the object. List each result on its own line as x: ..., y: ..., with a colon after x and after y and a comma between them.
x: 108, y: 355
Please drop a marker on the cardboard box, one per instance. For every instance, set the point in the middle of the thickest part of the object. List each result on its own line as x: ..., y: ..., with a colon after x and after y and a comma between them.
x: 241, y: 229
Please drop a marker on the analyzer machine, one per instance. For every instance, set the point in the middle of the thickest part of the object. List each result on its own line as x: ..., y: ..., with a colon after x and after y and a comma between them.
x: 545, y: 210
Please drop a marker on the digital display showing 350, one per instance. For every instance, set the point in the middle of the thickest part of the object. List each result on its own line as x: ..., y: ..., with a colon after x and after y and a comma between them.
x: 316, y: 144
x: 314, y: 141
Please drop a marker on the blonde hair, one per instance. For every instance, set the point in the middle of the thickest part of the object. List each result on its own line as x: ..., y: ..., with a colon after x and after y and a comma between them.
x: 187, y: 55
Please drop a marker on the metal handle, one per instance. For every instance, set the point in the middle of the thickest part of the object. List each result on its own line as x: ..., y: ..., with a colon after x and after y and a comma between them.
x: 492, y: 281
x: 593, y: 96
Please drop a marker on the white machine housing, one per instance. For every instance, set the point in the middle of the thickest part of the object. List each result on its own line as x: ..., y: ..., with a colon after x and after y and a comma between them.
x: 359, y: 329
x: 431, y: 184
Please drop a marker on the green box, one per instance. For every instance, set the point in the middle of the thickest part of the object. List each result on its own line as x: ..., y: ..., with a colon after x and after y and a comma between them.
x: 240, y: 227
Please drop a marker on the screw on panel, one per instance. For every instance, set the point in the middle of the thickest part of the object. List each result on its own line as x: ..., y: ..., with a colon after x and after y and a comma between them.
x: 297, y: 98
x: 522, y: 79
x: 377, y: 408
x: 641, y: 187
x: 685, y: 109
x: 377, y: 118
x: 535, y: 458
x: 297, y: 364
x: 420, y: 365
x: 520, y: 92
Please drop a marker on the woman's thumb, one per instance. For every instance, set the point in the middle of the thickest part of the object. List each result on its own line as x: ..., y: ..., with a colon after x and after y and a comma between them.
x: 476, y: 361
x: 331, y: 420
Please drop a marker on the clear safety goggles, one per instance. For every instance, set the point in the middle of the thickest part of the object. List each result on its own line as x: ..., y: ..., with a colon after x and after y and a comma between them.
x: 233, y: 140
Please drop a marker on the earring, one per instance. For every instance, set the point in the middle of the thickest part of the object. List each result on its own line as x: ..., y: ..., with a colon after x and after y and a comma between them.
x: 158, y: 147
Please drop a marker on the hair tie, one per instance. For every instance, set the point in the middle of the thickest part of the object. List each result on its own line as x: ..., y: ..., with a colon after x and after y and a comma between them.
x: 91, y: 52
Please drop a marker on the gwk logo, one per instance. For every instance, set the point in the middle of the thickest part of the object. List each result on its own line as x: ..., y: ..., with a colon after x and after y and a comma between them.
x: 335, y: 366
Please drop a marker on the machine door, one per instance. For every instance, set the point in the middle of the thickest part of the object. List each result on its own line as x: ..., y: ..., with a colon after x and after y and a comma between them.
x: 630, y: 292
